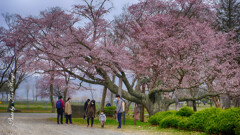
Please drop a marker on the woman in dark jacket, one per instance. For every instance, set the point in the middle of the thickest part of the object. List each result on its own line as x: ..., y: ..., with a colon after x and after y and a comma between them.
x: 91, y: 112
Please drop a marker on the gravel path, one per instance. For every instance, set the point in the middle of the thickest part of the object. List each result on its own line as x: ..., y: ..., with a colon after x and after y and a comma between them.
x: 36, y: 124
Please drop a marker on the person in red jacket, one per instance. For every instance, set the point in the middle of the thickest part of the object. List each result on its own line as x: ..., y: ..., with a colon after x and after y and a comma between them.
x: 60, y: 108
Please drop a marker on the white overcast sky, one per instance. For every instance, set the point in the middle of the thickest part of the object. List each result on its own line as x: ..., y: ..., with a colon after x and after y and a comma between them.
x: 33, y: 7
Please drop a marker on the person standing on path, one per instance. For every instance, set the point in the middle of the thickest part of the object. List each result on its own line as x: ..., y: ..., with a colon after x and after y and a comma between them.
x: 85, y: 108
x: 119, y: 110
x: 68, y: 111
x: 91, y: 112
x: 136, y: 113
x: 60, y: 108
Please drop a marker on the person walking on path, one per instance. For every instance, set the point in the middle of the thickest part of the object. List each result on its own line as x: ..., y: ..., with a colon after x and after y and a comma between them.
x: 136, y: 113
x: 119, y: 110
x: 68, y: 111
x: 60, y: 108
x: 85, y: 108
x: 91, y: 112
x: 102, y: 118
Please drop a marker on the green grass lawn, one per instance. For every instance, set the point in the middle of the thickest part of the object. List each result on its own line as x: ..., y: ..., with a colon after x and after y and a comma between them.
x: 31, y: 107
x: 43, y: 107
x: 140, y: 127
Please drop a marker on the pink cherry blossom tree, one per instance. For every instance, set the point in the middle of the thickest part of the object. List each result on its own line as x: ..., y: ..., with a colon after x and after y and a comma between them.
x: 167, y: 46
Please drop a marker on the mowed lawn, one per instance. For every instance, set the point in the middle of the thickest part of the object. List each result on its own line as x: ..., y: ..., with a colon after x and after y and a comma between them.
x: 140, y: 127
x: 45, y: 107
x: 31, y: 107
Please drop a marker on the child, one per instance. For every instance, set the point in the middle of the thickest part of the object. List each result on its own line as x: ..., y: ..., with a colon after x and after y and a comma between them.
x: 102, y: 118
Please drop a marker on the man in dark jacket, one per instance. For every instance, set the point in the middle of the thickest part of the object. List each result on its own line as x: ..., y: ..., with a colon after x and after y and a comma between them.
x: 85, y: 108
x: 60, y: 108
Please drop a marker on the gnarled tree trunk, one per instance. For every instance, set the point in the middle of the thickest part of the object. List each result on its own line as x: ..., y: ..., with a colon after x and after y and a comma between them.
x: 225, y: 101
x: 216, y: 101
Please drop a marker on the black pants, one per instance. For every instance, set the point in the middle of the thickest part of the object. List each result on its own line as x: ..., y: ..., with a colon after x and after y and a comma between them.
x: 119, y: 117
x: 91, y: 121
x: 84, y: 116
x: 69, y: 117
x: 60, y: 113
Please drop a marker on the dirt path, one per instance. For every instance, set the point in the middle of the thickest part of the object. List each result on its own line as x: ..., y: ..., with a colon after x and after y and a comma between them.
x: 36, y: 124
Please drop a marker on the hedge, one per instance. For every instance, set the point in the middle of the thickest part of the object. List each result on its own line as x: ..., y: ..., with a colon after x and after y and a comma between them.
x: 210, y: 121
x: 155, y: 119
x: 170, y: 121
x: 110, y: 111
x: 185, y: 111
x: 199, y: 120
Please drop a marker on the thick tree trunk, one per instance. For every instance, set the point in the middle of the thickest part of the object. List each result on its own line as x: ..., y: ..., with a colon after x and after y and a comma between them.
x: 66, y: 89
x: 156, y: 103
x: 51, y: 95
x: 236, y: 102
x: 103, y: 97
x: 142, y: 106
x: 225, y: 101
x: 65, y: 94
x: 194, y: 105
x: 217, y: 101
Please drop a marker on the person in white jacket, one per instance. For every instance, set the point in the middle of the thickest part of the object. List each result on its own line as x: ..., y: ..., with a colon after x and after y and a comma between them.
x: 102, y: 118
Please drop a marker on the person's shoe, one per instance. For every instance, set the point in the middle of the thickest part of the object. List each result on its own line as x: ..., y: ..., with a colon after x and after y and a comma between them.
x: 91, y: 127
x: 102, y: 126
x: 118, y: 128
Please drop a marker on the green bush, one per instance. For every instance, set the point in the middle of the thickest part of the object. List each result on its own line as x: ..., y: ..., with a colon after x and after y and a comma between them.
x: 184, y: 123
x: 185, y: 111
x: 225, y: 122
x: 211, y: 120
x: 237, y: 129
x: 170, y: 121
x: 199, y: 119
x: 110, y: 111
x: 154, y: 119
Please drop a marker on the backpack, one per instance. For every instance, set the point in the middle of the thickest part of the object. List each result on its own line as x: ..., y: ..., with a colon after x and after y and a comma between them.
x: 59, y: 106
